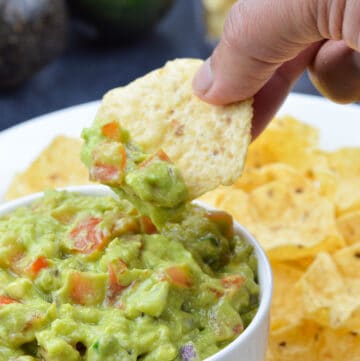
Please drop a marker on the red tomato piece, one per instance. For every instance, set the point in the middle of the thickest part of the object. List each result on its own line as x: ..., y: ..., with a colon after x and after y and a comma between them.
x: 233, y: 281
x: 179, y: 276
x: 123, y: 157
x: 82, y: 289
x: 147, y: 226
x: 40, y: 263
x: 109, y: 173
x: 87, y: 236
x: 104, y: 173
x: 5, y: 300
x: 160, y: 154
x: 112, y: 130
x: 115, y: 288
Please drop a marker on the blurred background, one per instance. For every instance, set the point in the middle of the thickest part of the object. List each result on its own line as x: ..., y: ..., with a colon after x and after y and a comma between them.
x: 58, y: 53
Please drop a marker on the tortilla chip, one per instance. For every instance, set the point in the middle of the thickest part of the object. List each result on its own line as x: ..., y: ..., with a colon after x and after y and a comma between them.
x: 348, y: 261
x: 235, y: 202
x: 326, y: 295
x: 215, y: 197
x: 208, y: 143
x: 289, y: 218
x: 339, y: 345
x: 296, y: 342
x: 286, y: 140
x: 293, y: 222
x: 345, y: 163
x: 347, y: 196
x: 255, y: 177
x: 307, y: 341
x: 58, y: 165
x: 285, y: 296
x: 349, y: 226
x: 324, y: 178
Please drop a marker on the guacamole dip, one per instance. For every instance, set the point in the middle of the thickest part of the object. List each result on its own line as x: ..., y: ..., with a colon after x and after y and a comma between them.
x: 146, y: 276
x: 150, y: 181
x: 90, y: 278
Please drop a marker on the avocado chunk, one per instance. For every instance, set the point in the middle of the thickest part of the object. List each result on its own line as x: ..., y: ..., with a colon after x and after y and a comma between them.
x: 121, y: 19
x: 32, y: 33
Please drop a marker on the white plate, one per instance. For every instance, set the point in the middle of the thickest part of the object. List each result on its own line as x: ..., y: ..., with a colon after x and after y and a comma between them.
x: 339, y: 126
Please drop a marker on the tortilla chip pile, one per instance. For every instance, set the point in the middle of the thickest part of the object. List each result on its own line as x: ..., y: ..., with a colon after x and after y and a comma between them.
x: 57, y: 166
x: 303, y: 205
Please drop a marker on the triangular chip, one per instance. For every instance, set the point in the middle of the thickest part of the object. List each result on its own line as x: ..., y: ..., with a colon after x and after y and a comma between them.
x: 286, y: 305
x: 207, y: 143
x: 296, y: 342
x: 58, y: 165
x: 329, y: 298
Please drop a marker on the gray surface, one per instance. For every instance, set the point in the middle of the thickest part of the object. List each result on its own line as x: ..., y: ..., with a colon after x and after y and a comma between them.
x: 88, y: 69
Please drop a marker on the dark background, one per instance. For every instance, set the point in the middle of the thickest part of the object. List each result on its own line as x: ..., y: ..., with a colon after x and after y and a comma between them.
x: 88, y: 69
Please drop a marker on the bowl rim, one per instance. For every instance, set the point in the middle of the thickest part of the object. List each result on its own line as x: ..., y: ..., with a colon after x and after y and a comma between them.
x: 264, y: 269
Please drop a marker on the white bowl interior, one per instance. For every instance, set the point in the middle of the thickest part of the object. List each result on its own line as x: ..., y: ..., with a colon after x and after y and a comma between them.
x: 264, y: 269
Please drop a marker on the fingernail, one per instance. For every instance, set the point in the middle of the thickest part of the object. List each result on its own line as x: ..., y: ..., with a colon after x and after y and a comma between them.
x: 203, y: 78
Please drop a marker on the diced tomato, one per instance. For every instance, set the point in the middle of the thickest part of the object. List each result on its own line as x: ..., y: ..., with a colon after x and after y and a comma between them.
x: 160, y: 154
x: 87, y: 236
x: 40, y: 263
x: 224, y: 221
x: 115, y: 288
x: 123, y: 157
x: 109, y: 173
x: 82, y: 289
x: 116, y: 267
x: 112, y: 130
x: 147, y: 226
x: 179, y: 276
x: 233, y: 281
x: 104, y: 173
x: 5, y: 300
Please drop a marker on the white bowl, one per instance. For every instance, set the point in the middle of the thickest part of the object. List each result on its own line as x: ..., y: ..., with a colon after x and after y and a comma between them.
x: 252, y: 343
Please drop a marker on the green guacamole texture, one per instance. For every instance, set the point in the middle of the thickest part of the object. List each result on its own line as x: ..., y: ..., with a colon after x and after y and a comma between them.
x: 111, y: 287
x: 150, y: 181
x: 140, y: 276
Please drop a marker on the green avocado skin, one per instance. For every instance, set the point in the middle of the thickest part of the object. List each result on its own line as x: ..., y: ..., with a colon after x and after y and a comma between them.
x: 32, y: 33
x: 122, y: 19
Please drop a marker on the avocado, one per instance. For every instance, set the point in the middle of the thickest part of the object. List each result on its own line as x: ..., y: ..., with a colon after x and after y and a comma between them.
x: 32, y: 33
x: 121, y: 19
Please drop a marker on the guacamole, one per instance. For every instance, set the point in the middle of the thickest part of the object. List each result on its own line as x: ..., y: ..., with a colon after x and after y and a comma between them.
x: 150, y: 181
x: 146, y: 276
x: 91, y: 278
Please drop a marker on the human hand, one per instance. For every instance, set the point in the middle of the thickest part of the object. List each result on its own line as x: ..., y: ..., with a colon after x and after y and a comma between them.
x: 267, y: 44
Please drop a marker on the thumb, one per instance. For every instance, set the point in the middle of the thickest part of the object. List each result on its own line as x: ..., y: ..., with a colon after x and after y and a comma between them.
x: 259, y: 36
